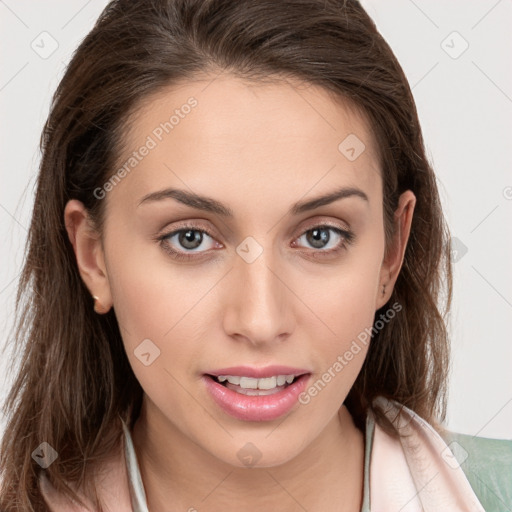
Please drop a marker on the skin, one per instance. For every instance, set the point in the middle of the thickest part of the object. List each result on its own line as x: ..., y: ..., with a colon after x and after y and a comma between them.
x: 257, y: 148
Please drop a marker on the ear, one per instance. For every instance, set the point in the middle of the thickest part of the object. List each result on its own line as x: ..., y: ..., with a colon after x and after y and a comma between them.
x: 89, y: 253
x: 394, y: 257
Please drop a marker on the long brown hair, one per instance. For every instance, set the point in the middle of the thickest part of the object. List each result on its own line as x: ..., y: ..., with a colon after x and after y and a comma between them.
x: 74, y: 381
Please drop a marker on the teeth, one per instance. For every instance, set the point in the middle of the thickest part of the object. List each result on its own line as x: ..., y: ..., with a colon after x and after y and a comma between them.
x: 251, y: 383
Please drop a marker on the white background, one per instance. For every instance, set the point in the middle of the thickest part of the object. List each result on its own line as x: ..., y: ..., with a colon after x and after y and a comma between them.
x: 465, y: 107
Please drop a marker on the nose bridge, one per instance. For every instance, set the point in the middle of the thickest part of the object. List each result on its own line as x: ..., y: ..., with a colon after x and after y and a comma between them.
x: 258, y: 304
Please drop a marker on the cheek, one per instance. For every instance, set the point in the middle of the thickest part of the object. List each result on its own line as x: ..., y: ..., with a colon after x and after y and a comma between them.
x: 140, y: 294
x: 347, y: 299
x: 150, y: 309
x: 347, y: 314
x: 160, y: 309
x: 345, y: 304
x: 145, y: 299
x: 149, y: 292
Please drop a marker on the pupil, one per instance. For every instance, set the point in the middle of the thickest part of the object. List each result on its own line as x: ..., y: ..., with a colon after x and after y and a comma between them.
x: 190, y: 239
x: 319, y: 237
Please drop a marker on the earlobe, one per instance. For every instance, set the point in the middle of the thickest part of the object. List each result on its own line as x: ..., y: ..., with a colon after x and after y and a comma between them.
x: 89, y: 255
x: 394, y: 257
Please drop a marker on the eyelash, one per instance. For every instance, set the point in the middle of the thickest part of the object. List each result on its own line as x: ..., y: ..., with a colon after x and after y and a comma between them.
x: 347, y: 239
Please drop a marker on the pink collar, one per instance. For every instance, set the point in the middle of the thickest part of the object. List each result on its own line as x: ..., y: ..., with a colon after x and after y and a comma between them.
x: 418, y: 472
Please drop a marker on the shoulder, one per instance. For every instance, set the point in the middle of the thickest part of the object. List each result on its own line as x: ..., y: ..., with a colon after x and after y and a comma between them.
x: 112, y: 486
x: 448, y: 468
x: 487, y: 464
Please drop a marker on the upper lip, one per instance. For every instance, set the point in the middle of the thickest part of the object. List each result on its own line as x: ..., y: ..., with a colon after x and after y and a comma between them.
x: 258, y: 373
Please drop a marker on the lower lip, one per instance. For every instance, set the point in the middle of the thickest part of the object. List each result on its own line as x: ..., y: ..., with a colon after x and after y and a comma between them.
x: 256, y: 408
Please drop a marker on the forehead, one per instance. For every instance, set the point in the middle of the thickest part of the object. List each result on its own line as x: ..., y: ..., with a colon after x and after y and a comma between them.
x: 229, y: 134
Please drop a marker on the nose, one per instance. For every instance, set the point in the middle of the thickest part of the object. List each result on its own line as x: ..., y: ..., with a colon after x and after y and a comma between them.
x: 259, y: 307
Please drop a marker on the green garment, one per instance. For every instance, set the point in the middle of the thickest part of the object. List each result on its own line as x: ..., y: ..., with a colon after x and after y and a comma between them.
x: 487, y: 464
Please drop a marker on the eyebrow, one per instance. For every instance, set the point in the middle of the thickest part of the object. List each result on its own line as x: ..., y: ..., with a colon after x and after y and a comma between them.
x: 209, y: 204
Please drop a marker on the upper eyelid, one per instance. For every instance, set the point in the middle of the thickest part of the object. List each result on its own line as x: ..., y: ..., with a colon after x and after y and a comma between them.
x: 196, y: 225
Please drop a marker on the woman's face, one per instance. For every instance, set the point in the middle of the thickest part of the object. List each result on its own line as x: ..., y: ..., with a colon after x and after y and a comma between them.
x: 261, y: 275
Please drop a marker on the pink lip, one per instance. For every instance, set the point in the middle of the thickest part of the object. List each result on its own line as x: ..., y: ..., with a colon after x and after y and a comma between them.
x: 258, y: 373
x: 256, y: 408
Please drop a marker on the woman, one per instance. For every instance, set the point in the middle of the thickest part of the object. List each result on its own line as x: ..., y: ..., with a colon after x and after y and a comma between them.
x: 235, y: 260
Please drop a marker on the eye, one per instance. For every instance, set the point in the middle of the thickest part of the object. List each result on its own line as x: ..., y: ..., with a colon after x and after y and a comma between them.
x: 184, y: 243
x: 320, y: 238
x: 188, y: 240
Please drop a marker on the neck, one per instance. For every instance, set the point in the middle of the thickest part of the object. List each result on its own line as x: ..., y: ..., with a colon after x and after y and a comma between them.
x: 326, y: 476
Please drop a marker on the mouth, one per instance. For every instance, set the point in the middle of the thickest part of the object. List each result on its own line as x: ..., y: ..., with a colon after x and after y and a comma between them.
x: 255, y: 394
